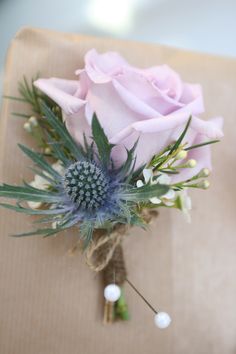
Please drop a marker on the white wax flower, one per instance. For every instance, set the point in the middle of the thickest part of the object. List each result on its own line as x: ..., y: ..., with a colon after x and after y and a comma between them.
x: 167, y: 198
x: 42, y: 183
x: 185, y: 204
x: 34, y: 205
x: 39, y: 183
x: 33, y: 121
x: 57, y: 166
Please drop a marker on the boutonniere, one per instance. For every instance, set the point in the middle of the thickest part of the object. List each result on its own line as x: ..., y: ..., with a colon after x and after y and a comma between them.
x: 115, y: 145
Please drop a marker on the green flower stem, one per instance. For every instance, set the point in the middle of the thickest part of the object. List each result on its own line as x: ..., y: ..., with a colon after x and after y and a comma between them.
x: 121, y: 308
x: 37, y: 134
x: 168, y: 158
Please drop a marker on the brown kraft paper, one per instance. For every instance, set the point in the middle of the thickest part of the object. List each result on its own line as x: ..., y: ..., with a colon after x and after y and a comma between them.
x: 50, y: 301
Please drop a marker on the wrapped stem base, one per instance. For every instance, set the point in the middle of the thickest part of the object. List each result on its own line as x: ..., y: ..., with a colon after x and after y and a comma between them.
x: 105, y: 254
x: 115, y: 272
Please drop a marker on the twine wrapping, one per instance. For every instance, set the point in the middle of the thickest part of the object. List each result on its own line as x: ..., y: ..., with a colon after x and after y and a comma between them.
x: 115, y: 270
x: 101, y: 250
x: 103, y: 246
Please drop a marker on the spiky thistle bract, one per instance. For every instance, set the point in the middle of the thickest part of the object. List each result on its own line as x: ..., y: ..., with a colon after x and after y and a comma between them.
x: 92, y: 192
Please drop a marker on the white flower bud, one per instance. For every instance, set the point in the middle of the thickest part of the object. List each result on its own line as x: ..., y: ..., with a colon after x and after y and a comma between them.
x: 34, y: 205
x: 33, y: 120
x: 54, y: 225
x: 57, y: 166
x: 191, y: 163
x: 181, y: 155
x: 204, y: 173
x: 47, y: 150
x: 27, y: 127
x: 139, y: 183
x: 204, y: 184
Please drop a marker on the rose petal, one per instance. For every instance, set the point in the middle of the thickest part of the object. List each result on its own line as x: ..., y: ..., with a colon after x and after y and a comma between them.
x: 166, y: 80
x: 155, y: 134
x: 102, y: 67
x: 134, y: 103
x: 112, y: 113
x: 193, y: 93
x: 63, y: 93
x: 77, y: 126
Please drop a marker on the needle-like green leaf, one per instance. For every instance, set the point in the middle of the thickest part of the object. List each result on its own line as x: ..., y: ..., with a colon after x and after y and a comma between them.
x: 75, y: 149
x: 146, y: 192
x: 28, y: 194
x: 127, y: 166
x: 18, y: 208
x: 180, y: 139
x: 101, y: 140
x: 44, y: 232
x: 202, y: 144
x: 39, y: 160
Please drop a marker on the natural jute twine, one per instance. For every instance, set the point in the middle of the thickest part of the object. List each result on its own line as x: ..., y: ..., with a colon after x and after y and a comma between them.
x: 106, y: 246
x: 101, y: 249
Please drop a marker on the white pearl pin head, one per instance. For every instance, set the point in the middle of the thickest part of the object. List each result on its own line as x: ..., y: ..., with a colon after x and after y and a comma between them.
x: 162, y: 320
x: 112, y: 292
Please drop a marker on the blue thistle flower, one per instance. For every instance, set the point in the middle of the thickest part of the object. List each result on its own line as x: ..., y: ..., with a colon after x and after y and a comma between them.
x: 91, y: 193
x: 86, y: 185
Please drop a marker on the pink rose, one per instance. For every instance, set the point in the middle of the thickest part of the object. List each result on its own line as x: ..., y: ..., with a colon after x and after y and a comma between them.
x: 153, y: 104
